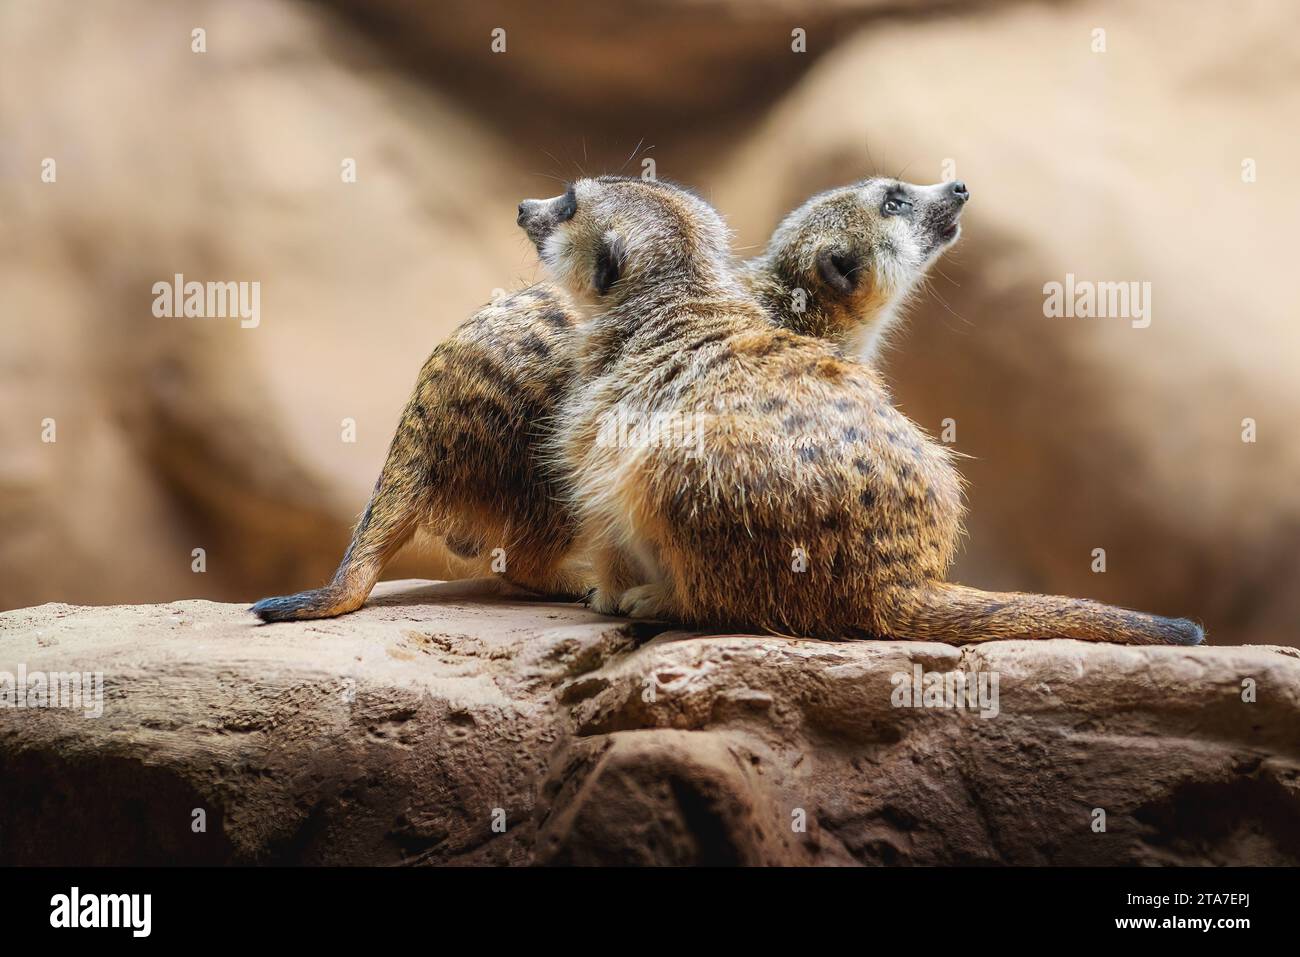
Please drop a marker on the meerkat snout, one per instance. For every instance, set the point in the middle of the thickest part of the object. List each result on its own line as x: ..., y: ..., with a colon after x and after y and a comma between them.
x: 953, y: 198
x: 539, y: 217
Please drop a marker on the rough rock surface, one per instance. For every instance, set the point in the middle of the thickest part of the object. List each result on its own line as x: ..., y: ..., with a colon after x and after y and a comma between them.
x: 459, y: 723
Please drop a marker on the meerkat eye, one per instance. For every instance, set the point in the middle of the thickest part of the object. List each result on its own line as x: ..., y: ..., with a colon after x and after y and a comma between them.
x: 896, y: 204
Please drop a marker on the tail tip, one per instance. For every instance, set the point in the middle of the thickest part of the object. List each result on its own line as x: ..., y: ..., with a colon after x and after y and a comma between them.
x: 317, y: 603
x: 277, y: 609
x: 1186, y: 632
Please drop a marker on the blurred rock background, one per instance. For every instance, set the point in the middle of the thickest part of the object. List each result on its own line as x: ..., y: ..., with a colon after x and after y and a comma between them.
x: 1122, y: 165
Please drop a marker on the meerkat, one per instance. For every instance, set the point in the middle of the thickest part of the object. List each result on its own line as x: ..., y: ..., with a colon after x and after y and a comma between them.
x: 805, y: 504
x: 465, y: 460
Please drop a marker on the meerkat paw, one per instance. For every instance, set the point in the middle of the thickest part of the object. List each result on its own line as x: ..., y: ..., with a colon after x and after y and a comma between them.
x: 646, y: 601
x: 602, y: 601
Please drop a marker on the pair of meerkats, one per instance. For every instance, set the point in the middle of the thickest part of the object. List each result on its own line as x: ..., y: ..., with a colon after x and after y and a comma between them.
x: 803, y: 503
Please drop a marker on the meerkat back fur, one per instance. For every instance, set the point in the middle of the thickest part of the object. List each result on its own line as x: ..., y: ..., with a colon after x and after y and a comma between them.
x: 803, y: 502
x: 464, y: 461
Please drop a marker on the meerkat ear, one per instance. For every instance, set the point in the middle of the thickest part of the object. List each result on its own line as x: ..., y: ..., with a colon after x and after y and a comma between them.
x: 838, y: 269
x: 610, y: 259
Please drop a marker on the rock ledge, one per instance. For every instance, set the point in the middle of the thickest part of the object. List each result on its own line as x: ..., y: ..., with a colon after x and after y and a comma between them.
x: 458, y: 723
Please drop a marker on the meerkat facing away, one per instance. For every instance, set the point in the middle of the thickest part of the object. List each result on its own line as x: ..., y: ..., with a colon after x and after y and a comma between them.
x: 802, y: 501
x: 464, y: 461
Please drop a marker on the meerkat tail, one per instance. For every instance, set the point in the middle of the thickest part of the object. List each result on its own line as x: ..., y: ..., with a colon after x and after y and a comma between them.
x: 957, y: 614
x: 389, y: 521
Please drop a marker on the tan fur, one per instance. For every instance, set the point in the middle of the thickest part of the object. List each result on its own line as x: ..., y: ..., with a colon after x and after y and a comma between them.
x: 464, y: 462
x: 802, y: 454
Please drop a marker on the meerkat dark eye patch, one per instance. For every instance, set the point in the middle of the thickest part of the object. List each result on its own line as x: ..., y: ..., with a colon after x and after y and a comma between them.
x: 610, y: 258
x: 567, y: 206
x: 838, y: 269
x: 897, y: 203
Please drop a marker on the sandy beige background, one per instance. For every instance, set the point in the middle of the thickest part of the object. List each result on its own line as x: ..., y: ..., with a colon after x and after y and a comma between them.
x: 1125, y: 165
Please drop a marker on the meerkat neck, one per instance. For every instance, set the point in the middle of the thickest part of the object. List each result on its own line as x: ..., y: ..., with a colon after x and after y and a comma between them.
x: 696, y: 283
x: 800, y: 310
x: 661, y: 312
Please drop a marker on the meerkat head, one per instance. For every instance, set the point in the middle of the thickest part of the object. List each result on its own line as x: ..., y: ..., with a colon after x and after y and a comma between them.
x: 840, y: 265
x: 605, y: 239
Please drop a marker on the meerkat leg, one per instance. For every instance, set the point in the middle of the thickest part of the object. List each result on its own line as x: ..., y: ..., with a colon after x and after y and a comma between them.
x: 568, y: 582
x: 462, y: 545
x: 398, y: 504
x: 957, y: 614
x: 548, y: 570
x: 656, y: 597
x: 614, y: 573
x: 655, y: 600
x: 560, y: 584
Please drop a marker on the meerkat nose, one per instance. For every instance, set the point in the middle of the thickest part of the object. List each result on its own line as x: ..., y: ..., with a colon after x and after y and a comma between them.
x: 525, y: 210
x: 960, y: 192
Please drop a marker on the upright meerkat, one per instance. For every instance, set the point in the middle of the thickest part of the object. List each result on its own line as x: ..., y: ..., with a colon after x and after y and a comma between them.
x: 464, y: 461
x: 803, y: 502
